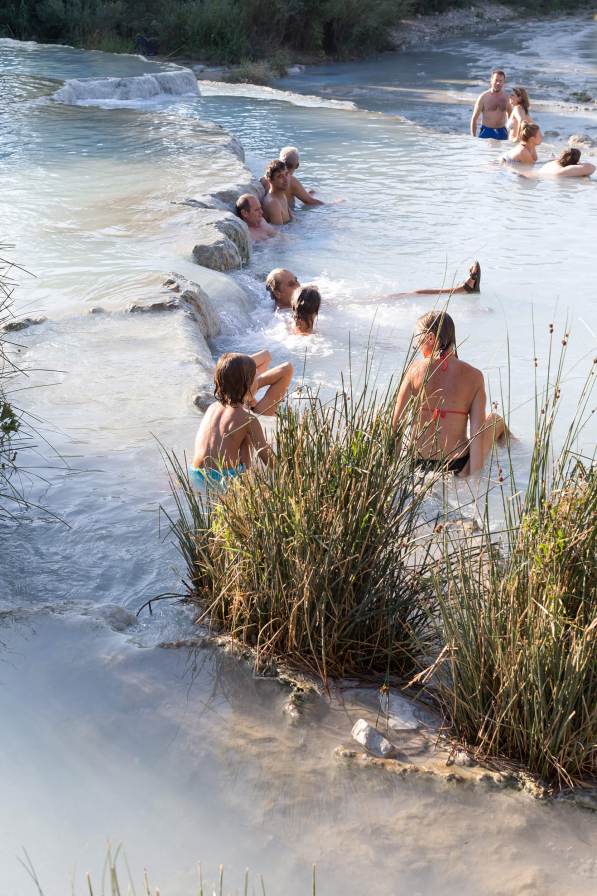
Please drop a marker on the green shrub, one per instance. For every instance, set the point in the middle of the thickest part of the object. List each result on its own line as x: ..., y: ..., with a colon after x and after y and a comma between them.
x: 317, y: 561
x: 519, y: 618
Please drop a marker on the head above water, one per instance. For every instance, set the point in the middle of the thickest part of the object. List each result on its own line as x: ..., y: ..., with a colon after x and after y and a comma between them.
x: 290, y: 156
x: 569, y: 157
x: 521, y: 98
x: 306, y: 303
x: 233, y: 378
x: 281, y: 285
x: 497, y: 80
x: 277, y: 174
x: 530, y: 132
x: 440, y: 326
x: 248, y: 208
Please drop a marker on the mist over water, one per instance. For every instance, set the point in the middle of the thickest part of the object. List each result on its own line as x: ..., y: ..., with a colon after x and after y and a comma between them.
x: 187, y: 760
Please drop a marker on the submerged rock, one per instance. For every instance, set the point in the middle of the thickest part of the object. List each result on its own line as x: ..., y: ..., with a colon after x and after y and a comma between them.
x: 461, y: 759
x: 171, y: 305
x: 582, y: 140
x: 116, y: 617
x: 14, y: 325
x: 401, y: 713
x: 372, y: 739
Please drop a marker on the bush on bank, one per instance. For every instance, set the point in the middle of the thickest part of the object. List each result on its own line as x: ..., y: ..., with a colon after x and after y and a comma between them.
x: 518, y: 616
x: 319, y: 560
x: 10, y: 420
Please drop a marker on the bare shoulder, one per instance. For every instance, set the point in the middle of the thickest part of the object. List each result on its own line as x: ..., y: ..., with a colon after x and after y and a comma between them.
x: 473, y: 373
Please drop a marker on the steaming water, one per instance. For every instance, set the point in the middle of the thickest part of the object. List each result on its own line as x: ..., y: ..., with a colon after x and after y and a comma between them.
x: 107, y: 739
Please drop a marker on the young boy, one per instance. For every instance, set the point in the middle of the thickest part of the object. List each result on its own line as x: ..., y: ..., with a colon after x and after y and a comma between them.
x: 228, y: 432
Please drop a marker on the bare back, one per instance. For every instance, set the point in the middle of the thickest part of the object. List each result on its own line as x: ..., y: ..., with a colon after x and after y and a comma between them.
x: 225, y: 437
x: 448, y: 391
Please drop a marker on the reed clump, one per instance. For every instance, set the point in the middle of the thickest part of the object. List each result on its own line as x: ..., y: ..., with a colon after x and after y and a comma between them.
x: 320, y: 559
x: 518, y: 614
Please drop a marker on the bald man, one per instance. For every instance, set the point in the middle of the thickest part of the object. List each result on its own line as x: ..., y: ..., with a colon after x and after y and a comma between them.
x: 248, y: 208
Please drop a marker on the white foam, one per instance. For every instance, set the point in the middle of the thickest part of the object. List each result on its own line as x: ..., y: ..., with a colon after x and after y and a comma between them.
x: 257, y: 92
x: 128, y: 91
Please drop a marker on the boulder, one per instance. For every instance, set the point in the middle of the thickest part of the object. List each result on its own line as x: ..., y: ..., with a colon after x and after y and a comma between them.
x: 372, y: 739
x: 583, y: 141
x: 223, y: 241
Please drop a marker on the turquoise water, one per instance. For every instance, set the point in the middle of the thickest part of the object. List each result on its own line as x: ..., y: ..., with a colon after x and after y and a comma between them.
x: 125, y: 740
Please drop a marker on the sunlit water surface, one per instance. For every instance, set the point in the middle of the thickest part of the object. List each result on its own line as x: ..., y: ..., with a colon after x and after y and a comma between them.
x: 116, y: 741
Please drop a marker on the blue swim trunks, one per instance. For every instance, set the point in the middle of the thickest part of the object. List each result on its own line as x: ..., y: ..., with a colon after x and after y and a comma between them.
x: 494, y: 133
x: 199, y: 476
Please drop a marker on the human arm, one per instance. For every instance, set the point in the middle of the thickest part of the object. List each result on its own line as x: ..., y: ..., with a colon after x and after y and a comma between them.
x: 476, y: 113
x: 259, y: 443
x: 478, y: 422
x: 584, y: 169
x: 299, y: 192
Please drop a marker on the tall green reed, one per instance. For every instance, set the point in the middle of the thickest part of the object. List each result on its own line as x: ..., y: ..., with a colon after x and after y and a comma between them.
x: 320, y: 560
x: 518, y: 608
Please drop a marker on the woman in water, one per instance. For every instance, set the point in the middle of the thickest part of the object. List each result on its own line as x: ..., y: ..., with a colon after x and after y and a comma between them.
x: 567, y: 164
x: 529, y: 138
x: 519, y: 111
x: 448, y: 393
x: 305, y: 305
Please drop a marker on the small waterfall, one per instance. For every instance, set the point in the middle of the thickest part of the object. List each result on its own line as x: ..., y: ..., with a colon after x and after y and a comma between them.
x: 131, y: 90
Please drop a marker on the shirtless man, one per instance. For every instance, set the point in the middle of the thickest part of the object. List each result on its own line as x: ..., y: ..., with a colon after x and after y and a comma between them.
x: 275, y: 202
x: 492, y: 106
x: 281, y: 285
x: 290, y: 156
x: 248, y: 208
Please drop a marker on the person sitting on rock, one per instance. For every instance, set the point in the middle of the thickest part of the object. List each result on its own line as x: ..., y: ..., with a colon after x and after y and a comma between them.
x: 275, y: 201
x: 281, y: 285
x: 567, y: 164
x: 290, y: 156
x: 305, y: 305
x: 248, y: 208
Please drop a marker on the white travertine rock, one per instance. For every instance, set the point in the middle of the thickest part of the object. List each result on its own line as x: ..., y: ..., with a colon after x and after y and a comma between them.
x: 373, y: 741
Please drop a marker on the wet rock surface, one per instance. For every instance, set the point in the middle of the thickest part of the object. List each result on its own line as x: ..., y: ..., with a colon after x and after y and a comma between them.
x: 372, y: 739
x: 23, y: 323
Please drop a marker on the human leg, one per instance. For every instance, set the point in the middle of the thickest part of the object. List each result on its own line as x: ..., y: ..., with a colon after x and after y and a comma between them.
x: 262, y: 360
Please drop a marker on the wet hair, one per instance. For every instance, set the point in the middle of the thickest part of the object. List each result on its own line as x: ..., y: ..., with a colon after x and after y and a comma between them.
x: 272, y: 282
x: 290, y: 156
x: 499, y: 71
x: 242, y: 203
x: 233, y: 377
x: 274, y: 167
x: 305, y: 304
x: 441, y: 325
x: 528, y: 130
x: 523, y: 97
x: 569, y: 157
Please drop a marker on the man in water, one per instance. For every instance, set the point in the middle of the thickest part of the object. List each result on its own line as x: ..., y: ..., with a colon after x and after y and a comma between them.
x: 281, y: 285
x: 492, y: 106
x: 290, y: 156
x: 248, y: 208
x: 275, y: 202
